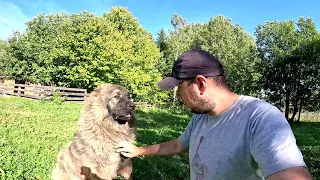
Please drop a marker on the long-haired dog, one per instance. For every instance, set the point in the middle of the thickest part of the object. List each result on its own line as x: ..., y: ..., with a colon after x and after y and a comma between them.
x: 106, y: 119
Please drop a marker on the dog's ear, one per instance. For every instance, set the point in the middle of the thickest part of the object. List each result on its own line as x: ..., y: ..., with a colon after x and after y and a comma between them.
x: 116, y: 93
x: 96, y: 91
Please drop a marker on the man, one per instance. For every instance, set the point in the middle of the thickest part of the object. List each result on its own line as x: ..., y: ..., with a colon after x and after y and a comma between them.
x: 230, y: 136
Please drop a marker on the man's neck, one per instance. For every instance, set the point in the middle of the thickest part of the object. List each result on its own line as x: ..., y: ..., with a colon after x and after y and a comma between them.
x: 223, y: 101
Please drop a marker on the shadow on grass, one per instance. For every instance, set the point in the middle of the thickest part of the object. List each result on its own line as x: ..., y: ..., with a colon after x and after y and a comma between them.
x: 308, y: 140
x: 160, y: 126
x: 156, y: 127
x: 162, y: 119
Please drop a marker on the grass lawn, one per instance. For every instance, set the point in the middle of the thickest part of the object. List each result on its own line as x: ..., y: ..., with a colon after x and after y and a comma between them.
x: 32, y: 133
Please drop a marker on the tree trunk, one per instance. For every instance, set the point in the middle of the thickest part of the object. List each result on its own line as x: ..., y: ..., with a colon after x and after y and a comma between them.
x: 287, y: 92
x: 300, y: 107
x: 281, y: 105
x: 299, y: 93
x: 287, y: 105
x: 295, y: 109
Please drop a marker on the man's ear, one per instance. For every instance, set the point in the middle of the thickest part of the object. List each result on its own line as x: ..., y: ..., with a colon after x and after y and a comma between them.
x: 202, y: 83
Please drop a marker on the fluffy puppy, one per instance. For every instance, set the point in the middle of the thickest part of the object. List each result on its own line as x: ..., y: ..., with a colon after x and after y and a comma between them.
x: 106, y: 119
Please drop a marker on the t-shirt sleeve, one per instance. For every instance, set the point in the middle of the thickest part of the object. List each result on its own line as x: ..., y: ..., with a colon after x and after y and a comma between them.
x: 184, y: 138
x: 272, y: 143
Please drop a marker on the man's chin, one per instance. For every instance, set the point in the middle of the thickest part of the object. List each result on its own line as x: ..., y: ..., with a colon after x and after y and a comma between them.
x: 198, y: 111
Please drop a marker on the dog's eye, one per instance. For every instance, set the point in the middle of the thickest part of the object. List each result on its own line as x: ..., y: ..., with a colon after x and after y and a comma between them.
x: 117, y: 96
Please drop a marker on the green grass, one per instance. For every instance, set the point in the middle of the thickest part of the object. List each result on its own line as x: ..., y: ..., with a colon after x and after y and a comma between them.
x: 307, y: 134
x: 32, y: 133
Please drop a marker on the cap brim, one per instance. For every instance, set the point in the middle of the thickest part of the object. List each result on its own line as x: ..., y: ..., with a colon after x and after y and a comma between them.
x: 168, y: 83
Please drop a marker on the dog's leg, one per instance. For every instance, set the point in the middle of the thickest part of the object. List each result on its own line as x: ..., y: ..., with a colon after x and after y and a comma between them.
x: 107, y: 172
x: 125, y: 169
x: 58, y: 174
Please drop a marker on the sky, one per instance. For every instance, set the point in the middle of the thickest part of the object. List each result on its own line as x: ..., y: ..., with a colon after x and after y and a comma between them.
x: 156, y: 14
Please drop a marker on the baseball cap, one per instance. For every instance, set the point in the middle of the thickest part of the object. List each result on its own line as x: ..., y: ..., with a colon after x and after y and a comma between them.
x: 190, y: 64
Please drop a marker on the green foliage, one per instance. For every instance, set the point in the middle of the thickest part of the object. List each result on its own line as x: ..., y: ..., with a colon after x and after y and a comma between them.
x: 33, y: 132
x: 164, y: 66
x: 83, y: 50
x: 57, y: 98
x: 291, y: 57
x: 162, y: 40
x: 6, y: 60
x: 230, y: 43
x: 237, y: 51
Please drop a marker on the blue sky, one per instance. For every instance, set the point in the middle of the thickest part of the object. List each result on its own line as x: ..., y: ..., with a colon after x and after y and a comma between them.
x: 156, y: 14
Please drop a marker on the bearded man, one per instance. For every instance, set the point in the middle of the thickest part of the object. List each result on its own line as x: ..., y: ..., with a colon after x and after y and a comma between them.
x: 230, y: 136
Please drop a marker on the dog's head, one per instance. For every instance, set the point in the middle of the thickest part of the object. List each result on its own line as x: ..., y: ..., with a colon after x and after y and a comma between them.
x: 114, y: 102
x: 120, y: 105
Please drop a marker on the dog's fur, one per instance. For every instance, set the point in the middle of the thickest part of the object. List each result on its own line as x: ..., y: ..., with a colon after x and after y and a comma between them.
x: 107, y: 118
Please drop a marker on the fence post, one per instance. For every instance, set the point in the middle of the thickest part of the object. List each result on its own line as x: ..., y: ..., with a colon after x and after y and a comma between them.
x: 19, y: 88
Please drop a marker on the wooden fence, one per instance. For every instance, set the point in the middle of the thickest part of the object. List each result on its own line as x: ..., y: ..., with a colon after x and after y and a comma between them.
x: 143, y: 104
x: 47, y: 93
x: 43, y: 92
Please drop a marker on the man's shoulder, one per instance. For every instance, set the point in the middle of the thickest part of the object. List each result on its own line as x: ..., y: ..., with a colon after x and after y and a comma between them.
x: 258, y: 105
x: 264, y: 113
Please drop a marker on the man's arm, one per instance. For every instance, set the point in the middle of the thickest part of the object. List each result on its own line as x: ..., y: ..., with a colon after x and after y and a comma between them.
x: 166, y: 148
x: 300, y: 173
x: 273, y: 146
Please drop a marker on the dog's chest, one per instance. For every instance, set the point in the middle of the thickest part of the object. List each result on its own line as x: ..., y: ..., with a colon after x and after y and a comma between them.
x: 105, y: 153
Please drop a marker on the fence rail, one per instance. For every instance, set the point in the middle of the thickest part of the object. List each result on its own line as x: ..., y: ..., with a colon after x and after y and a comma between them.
x: 143, y: 104
x: 43, y: 92
x: 47, y: 92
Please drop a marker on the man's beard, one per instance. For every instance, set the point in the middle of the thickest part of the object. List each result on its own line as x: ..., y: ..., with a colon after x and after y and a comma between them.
x: 200, y: 109
x: 200, y: 106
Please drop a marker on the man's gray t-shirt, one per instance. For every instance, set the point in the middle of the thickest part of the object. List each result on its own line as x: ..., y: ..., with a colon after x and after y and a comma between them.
x: 250, y: 140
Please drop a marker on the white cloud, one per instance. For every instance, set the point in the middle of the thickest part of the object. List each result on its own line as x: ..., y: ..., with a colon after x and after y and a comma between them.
x: 11, y: 19
x: 14, y: 14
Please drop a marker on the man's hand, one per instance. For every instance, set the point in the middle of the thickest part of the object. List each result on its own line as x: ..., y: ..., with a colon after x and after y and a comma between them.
x: 127, y: 149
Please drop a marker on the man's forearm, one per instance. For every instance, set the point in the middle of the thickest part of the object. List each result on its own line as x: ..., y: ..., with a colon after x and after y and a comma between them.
x: 166, y: 148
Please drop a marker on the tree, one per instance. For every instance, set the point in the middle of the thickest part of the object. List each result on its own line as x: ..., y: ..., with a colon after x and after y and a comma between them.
x: 290, y: 69
x: 83, y: 50
x: 178, y: 22
x: 6, y: 60
x: 162, y: 40
x: 164, y: 65
x: 305, y: 65
x: 237, y: 51
x: 234, y: 47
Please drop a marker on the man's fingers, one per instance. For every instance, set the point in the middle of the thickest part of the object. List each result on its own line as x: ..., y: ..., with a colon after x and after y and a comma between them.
x: 119, y: 150
x: 122, y: 150
x: 126, y: 154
